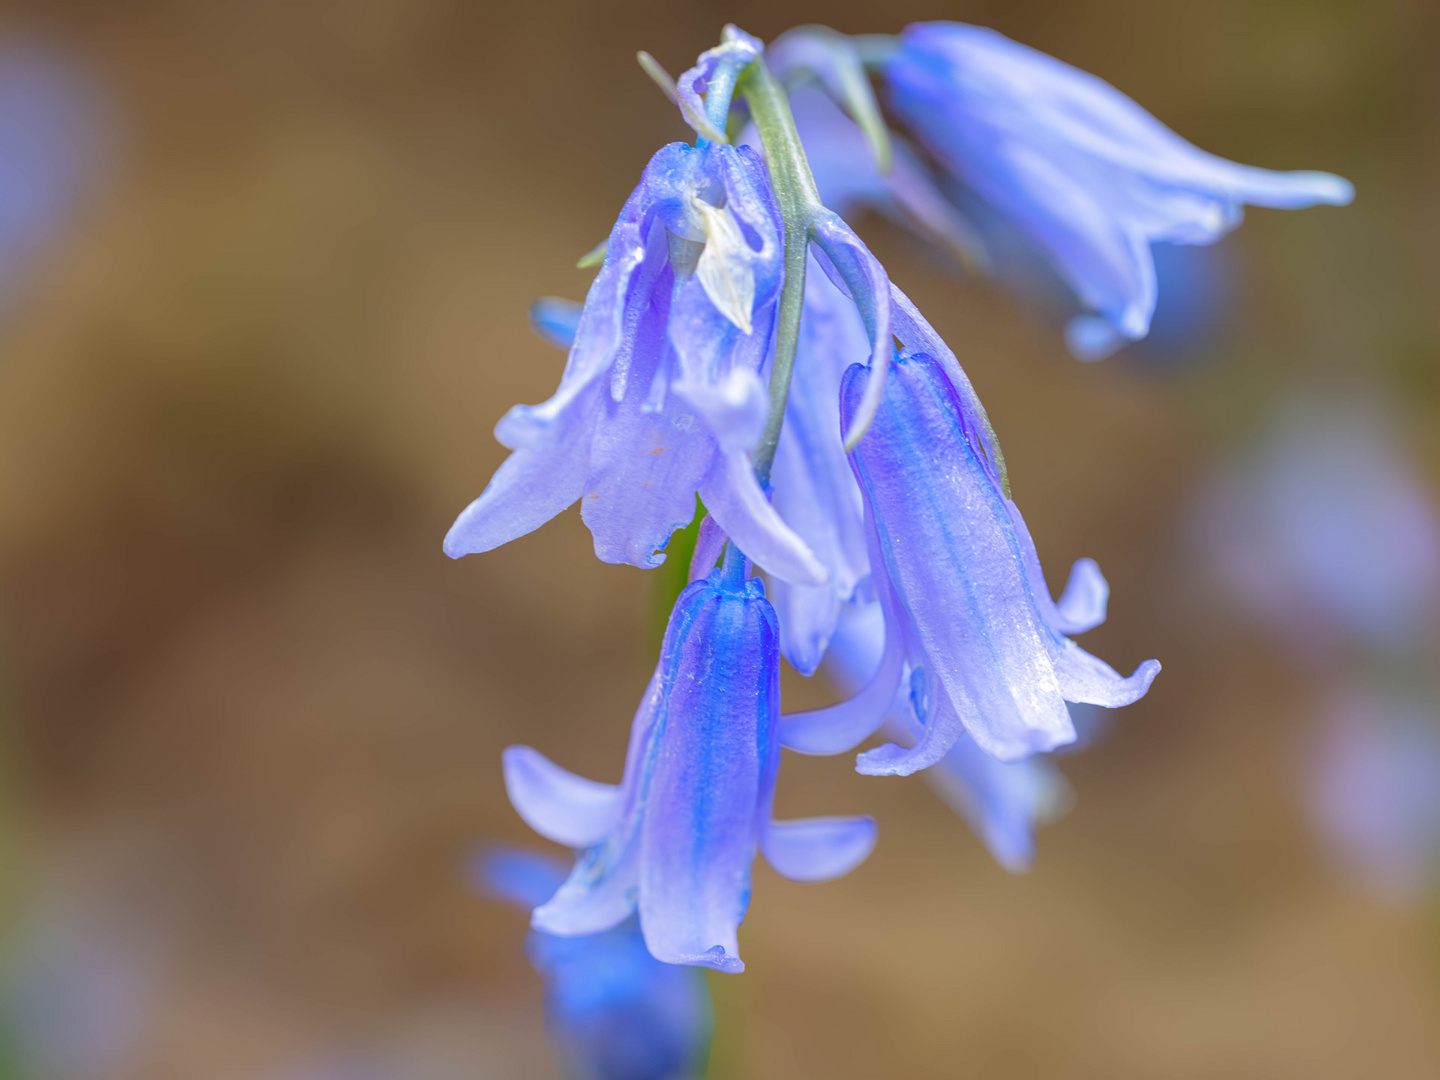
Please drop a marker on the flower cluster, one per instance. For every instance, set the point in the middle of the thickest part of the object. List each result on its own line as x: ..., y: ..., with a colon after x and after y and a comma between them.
x: 742, y: 344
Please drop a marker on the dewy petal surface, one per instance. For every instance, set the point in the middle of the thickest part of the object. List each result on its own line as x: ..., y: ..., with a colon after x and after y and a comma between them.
x: 1092, y: 177
x: 951, y: 554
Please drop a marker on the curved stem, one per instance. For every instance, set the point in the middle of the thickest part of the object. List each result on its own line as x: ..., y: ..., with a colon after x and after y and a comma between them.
x: 799, y: 202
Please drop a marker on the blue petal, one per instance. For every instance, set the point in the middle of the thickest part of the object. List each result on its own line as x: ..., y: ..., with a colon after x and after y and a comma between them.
x: 557, y: 804
x: 1090, y: 175
x: 818, y: 849
x: 815, y: 491
x: 601, y: 888
x: 859, y: 275
x: 528, y: 489
x: 1082, y: 605
x: 733, y: 496
x: 556, y: 320
x: 712, y: 775
x: 521, y: 877
x: 951, y: 554
x: 848, y: 181
x: 837, y: 728
x: 729, y: 58
x: 1001, y: 801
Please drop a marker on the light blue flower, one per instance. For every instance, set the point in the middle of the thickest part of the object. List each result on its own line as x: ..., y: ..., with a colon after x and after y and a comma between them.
x: 662, y: 395
x: 676, y: 838
x: 1327, y: 533
x: 965, y: 601
x: 1087, y: 173
x: 1374, y: 789
x: 613, y: 1012
x: 1003, y: 802
x: 51, y: 135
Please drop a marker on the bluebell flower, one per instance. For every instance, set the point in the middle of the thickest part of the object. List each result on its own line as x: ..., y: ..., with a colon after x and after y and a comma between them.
x: 613, y: 1012
x: 1087, y: 173
x: 1327, y: 533
x: 662, y: 395
x: 1374, y: 789
x: 676, y: 838
x: 1003, y: 802
x: 966, y: 605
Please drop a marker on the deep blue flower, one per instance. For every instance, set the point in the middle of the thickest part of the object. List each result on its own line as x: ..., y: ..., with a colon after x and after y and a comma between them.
x: 1087, y: 173
x: 662, y: 395
x: 676, y: 838
x: 966, y: 604
x: 613, y: 1012
x: 1003, y: 802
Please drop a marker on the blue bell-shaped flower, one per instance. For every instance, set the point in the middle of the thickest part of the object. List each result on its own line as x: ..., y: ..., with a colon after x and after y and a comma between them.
x: 1084, y: 171
x: 662, y: 395
x: 676, y: 838
x: 612, y: 1011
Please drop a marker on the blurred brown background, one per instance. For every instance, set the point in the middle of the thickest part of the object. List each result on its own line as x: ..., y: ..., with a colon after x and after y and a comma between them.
x: 254, y: 716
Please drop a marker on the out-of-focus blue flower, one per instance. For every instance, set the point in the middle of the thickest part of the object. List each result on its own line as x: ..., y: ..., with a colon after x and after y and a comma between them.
x: 556, y: 320
x: 49, y: 130
x: 677, y: 836
x: 1092, y: 177
x: 1374, y: 789
x: 1327, y: 533
x: 1195, y: 298
x: 966, y: 604
x: 1003, y: 802
x: 661, y: 396
x: 612, y: 1010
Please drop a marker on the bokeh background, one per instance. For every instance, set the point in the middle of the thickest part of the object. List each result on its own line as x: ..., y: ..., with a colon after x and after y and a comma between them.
x: 252, y: 717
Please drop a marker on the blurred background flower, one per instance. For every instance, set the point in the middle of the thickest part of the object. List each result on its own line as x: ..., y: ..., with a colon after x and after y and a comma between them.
x: 248, y: 378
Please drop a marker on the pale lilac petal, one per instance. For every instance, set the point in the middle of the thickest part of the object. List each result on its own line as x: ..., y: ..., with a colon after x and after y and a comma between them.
x: 709, y: 545
x: 818, y: 849
x: 1082, y: 605
x: 1090, y: 176
x: 733, y: 496
x: 951, y: 556
x: 815, y: 490
x: 529, y: 488
x: 556, y: 803
x: 1088, y: 679
x: 862, y: 278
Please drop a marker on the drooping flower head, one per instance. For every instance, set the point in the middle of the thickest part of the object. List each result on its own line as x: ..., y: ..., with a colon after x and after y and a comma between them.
x: 676, y: 838
x: 965, y: 601
x: 613, y: 1012
x: 1087, y: 173
x: 662, y: 395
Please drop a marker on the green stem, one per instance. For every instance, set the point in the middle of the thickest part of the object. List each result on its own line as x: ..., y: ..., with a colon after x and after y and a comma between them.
x: 799, y: 201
